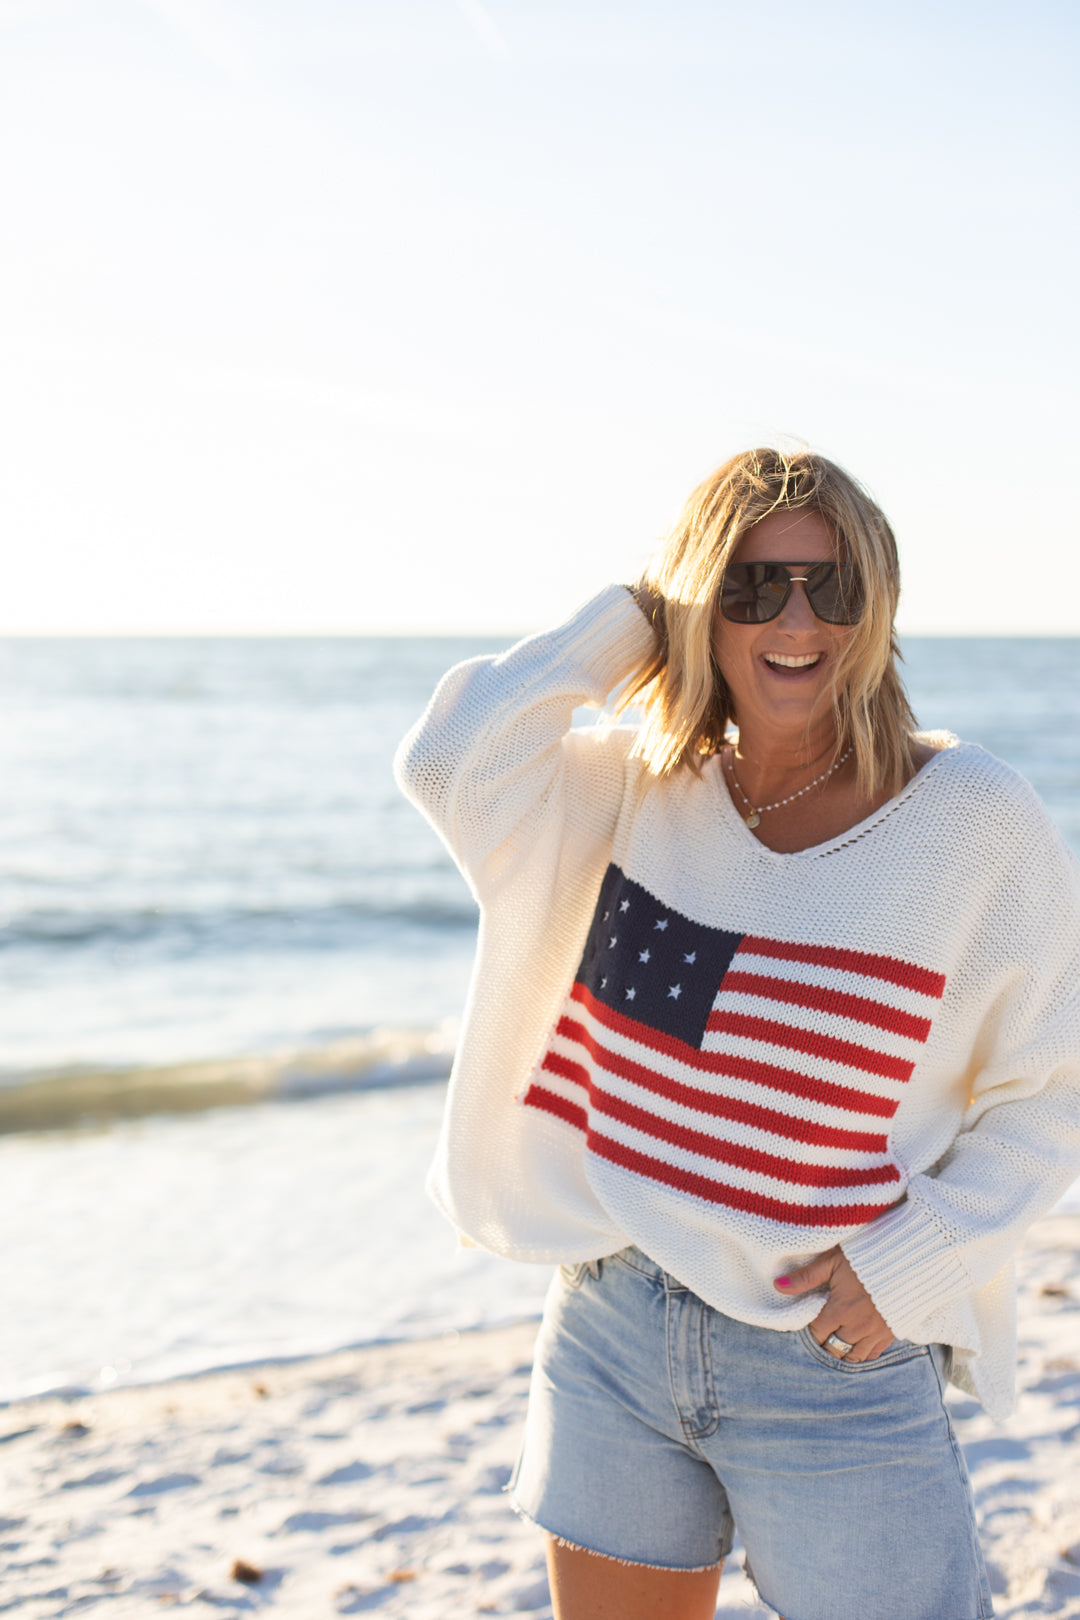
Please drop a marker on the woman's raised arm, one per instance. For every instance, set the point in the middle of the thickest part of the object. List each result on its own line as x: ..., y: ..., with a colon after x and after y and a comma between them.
x: 493, y: 754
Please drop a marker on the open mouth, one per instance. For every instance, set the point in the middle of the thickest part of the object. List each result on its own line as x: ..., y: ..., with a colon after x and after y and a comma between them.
x: 792, y: 661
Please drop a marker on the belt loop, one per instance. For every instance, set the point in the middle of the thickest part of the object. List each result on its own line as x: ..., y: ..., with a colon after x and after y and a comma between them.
x: 594, y: 1269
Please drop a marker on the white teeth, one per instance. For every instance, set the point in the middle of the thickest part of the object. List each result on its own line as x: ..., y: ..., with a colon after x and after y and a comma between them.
x: 787, y: 662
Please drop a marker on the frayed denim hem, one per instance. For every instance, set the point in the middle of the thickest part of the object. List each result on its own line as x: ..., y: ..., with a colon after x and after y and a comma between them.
x: 629, y: 1563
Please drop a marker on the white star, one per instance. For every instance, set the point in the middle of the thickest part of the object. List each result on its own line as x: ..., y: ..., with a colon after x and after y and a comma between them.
x: 624, y: 905
x: 631, y: 993
x: 691, y: 957
x: 675, y: 992
x: 661, y: 924
x: 643, y: 956
x: 603, y: 984
x: 605, y: 917
x: 612, y: 942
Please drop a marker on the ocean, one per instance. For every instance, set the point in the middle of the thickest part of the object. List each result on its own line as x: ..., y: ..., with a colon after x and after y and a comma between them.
x: 231, y: 963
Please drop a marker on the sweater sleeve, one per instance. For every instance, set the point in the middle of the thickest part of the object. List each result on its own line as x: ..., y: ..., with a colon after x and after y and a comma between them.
x: 1019, y: 1147
x: 493, y: 757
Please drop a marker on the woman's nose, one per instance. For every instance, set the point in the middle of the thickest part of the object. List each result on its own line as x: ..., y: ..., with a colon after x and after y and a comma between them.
x: 797, y: 614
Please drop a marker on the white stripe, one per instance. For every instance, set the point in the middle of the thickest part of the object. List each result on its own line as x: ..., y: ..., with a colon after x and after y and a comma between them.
x: 730, y: 1175
x: 724, y: 1130
x: 820, y: 1023
x: 736, y: 1132
x: 750, y: 1091
x: 811, y: 1065
x: 804, y: 1063
x: 561, y: 1086
x: 851, y: 984
x: 762, y: 1091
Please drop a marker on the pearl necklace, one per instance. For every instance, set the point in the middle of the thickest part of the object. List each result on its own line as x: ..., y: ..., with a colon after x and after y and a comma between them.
x: 755, y: 816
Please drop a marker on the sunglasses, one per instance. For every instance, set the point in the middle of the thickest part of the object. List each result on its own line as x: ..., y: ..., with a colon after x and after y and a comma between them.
x: 754, y: 593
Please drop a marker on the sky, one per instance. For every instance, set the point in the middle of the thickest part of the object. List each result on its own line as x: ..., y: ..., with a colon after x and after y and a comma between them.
x: 424, y: 316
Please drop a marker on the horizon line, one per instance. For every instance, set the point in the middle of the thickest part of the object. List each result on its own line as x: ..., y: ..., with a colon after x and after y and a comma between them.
x: 509, y: 635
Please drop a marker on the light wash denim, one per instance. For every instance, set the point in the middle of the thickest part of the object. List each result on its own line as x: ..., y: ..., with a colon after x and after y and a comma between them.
x: 657, y: 1424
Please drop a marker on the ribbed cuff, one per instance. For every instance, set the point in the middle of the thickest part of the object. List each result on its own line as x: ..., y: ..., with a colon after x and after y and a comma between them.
x: 603, y: 641
x: 906, y: 1266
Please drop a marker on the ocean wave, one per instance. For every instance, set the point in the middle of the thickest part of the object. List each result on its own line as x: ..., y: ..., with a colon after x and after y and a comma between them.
x: 60, y: 1099
x: 228, y: 926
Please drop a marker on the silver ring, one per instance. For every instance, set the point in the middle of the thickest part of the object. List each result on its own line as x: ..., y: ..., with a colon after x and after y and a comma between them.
x: 835, y: 1342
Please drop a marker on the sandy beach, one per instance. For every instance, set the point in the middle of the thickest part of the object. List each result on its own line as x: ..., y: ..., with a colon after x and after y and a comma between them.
x: 373, y: 1480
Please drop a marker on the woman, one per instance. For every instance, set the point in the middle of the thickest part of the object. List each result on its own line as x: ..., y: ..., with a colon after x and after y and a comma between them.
x: 773, y: 1044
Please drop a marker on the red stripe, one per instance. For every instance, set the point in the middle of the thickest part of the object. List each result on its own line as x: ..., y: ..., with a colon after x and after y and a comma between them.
x: 723, y: 1152
x: 790, y: 1081
x: 566, y: 1068
x: 834, y: 1002
x: 552, y: 1103
x: 705, y: 1102
x: 889, y: 968
x: 811, y: 1041
x: 773, y: 1209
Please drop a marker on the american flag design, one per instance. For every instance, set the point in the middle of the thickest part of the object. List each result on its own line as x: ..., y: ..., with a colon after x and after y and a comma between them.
x: 760, y: 1074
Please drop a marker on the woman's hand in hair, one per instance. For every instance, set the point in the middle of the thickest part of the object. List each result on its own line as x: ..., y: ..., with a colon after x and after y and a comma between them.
x: 651, y: 603
x: 848, y: 1312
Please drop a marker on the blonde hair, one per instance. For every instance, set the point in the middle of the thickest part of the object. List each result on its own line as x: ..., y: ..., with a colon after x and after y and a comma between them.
x: 686, y: 703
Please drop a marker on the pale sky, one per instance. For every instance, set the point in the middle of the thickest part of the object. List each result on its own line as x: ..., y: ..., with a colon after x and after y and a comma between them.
x: 426, y: 315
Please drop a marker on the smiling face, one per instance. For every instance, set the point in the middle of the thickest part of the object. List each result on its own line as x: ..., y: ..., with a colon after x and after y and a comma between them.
x: 780, y: 674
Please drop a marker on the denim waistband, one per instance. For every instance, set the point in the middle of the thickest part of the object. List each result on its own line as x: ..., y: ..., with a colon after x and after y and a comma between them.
x: 637, y: 1260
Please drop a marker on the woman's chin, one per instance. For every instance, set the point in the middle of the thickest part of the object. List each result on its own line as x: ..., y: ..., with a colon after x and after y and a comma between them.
x: 786, y: 706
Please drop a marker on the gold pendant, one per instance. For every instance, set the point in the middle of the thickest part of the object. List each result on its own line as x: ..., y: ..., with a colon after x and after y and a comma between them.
x: 753, y: 819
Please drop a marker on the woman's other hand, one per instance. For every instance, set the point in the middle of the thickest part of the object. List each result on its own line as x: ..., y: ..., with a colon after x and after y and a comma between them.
x: 849, y: 1312
x: 650, y: 601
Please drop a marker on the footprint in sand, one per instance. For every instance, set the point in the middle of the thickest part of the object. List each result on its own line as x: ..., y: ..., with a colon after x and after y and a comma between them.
x: 353, y: 1602
x: 348, y: 1474
x: 322, y: 1521
x: 100, y: 1476
x: 166, y: 1482
x: 492, y: 1480
x: 996, y: 1448
x: 408, y: 1526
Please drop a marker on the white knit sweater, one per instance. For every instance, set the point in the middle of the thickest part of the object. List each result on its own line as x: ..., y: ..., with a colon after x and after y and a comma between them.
x: 733, y: 1058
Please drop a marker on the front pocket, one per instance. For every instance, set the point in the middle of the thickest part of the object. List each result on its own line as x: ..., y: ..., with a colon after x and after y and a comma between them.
x: 899, y: 1350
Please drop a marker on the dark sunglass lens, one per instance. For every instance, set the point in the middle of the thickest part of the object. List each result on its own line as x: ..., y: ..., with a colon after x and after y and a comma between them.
x: 836, y: 594
x: 753, y: 593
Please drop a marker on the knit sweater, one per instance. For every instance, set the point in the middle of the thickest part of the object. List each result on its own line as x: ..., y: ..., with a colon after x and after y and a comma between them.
x: 734, y: 1058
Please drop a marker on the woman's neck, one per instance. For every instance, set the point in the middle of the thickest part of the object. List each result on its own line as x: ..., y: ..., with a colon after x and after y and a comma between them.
x: 767, y: 761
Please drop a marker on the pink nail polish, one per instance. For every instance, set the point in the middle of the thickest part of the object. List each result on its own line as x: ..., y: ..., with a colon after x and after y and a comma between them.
x: 783, y: 1282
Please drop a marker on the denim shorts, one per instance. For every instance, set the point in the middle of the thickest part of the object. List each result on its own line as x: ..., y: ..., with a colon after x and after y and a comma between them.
x: 656, y: 1425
